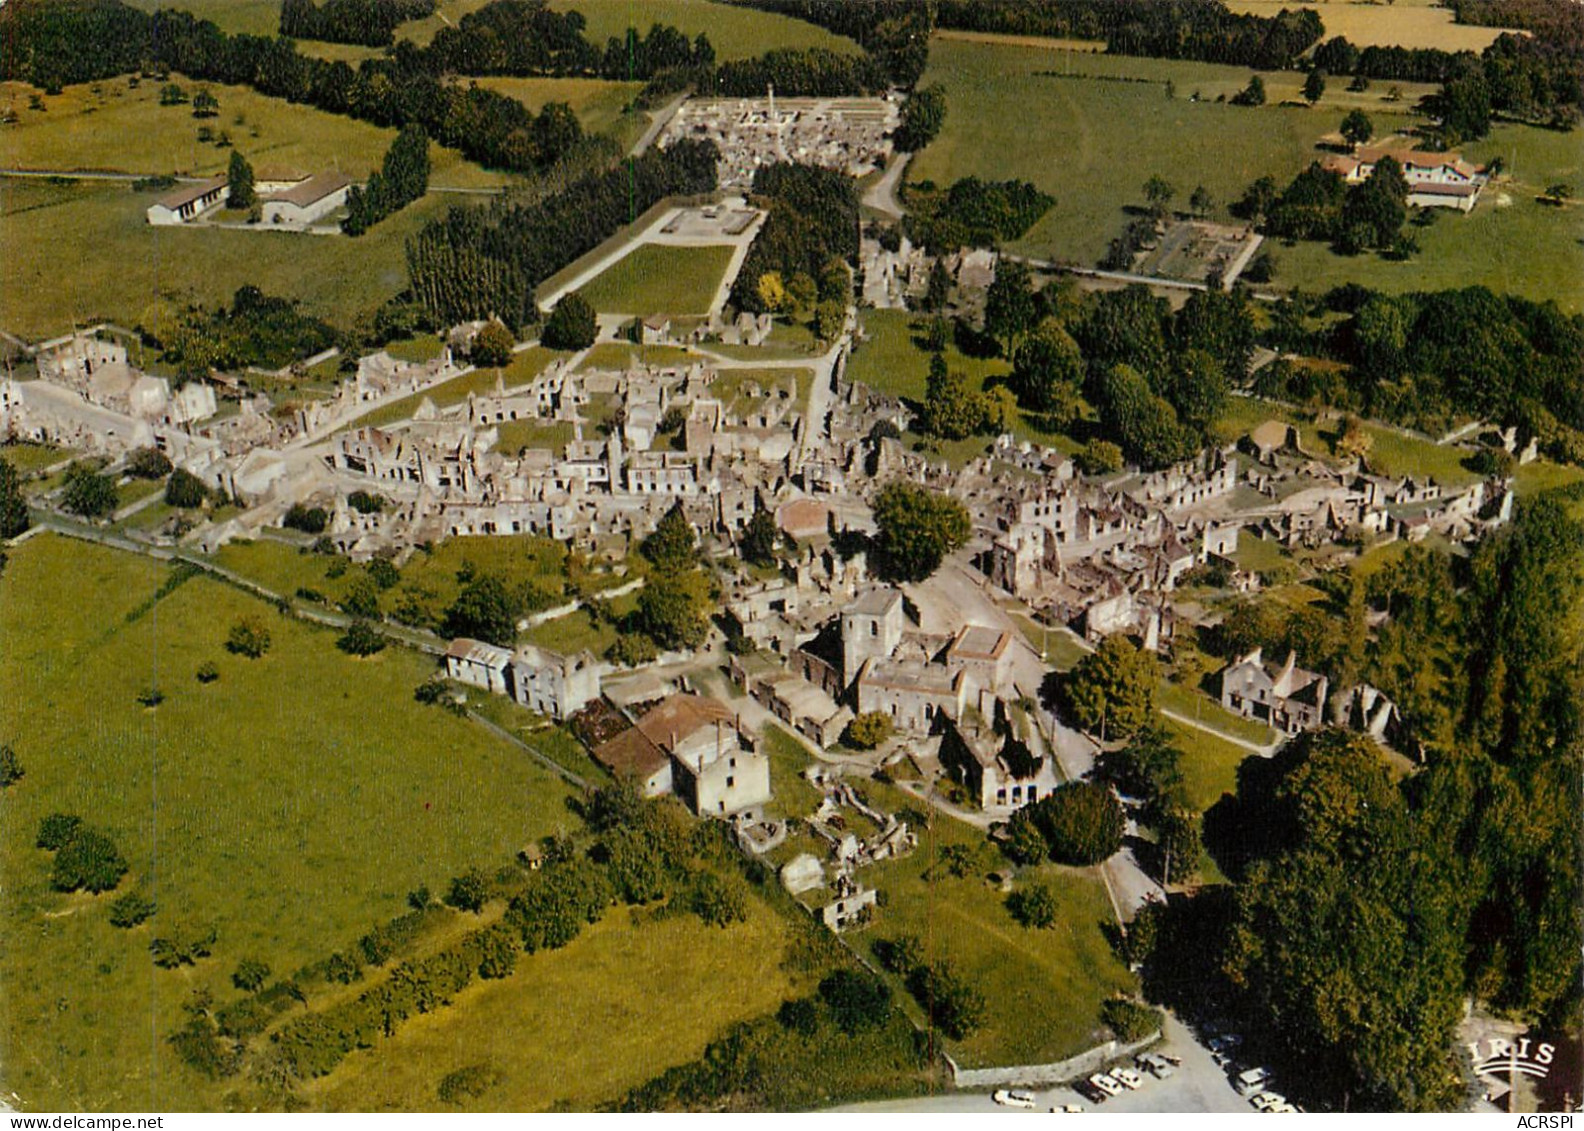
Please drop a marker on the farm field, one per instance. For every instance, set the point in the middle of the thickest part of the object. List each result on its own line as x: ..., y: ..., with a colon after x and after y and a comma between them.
x: 1102, y: 137
x: 660, y: 279
x: 1403, y: 23
x: 274, y: 804
x: 125, y: 129
x: 645, y: 1024
x: 735, y: 33
x: 1043, y: 988
x: 121, y: 265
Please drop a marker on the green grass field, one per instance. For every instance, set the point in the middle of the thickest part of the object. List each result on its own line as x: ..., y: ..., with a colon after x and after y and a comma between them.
x: 1195, y: 704
x: 641, y: 997
x: 290, y: 805
x: 1209, y: 764
x: 120, y: 266
x: 124, y: 129
x: 1101, y: 139
x: 28, y: 458
x: 658, y: 279
x: 598, y: 104
x: 622, y: 355
x: 1042, y: 988
x: 735, y: 33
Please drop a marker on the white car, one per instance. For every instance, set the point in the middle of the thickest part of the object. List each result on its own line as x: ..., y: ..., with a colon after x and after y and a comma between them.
x: 1251, y: 1081
x: 1106, y: 1084
x: 1128, y: 1077
x: 1010, y: 1098
x: 1071, y: 1109
x: 1156, y: 1065
x: 1265, y: 1101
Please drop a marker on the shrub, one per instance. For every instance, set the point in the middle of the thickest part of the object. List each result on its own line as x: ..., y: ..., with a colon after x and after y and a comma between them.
x: 1128, y: 1019
x: 899, y: 955
x: 469, y: 891
x: 366, y: 502
x: 632, y: 649
x: 953, y: 1006
x: 1099, y: 457
x: 383, y: 572
x: 869, y: 730
x: 148, y: 463
x: 572, y: 325
x: 131, y: 909
x: 468, y: 1083
x: 10, y: 769
x: 1024, y: 843
x: 360, y: 639
x: 56, y: 831
x: 716, y: 902
x: 208, y: 672
x: 1082, y: 821
x: 186, y: 490
x: 250, y: 975
x: 88, y: 493
x: 1033, y: 906
x: 856, y: 1001
x: 151, y: 697
x: 175, y: 950
x: 248, y: 637
x: 800, y: 1016
x: 309, y: 520
x: 88, y: 861
x: 492, y: 345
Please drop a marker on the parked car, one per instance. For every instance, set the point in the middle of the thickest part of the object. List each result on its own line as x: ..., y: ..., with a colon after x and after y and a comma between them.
x: 1264, y: 1101
x: 1072, y: 1109
x: 1010, y: 1098
x: 1128, y: 1077
x: 1155, y: 1064
x: 1106, y: 1084
x: 1251, y: 1081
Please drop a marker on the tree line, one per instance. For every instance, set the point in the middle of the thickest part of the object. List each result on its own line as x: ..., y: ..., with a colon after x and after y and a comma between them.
x: 479, y: 262
x: 401, y: 179
x: 50, y: 44
x: 1404, y: 898
x: 893, y: 33
x: 371, y: 23
x: 812, y: 223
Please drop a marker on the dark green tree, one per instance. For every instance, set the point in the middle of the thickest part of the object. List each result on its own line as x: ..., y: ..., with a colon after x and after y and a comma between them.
x: 671, y: 610
x: 184, y: 489
x: 917, y: 529
x: 88, y: 861
x: 1314, y: 85
x: 361, y: 639
x: 1357, y: 128
x: 1033, y: 906
x: 469, y: 891
x: 760, y: 538
x: 56, y: 831
x: 248, y: 637
x: 572, y: 325
x: 87, y: 492
x: 13, y: 507
x: 240, y: 193
x: 1112, y: 690
x: 492, y: 345
x: 673, y: 546
x: 484, y: 611
x: 1082, y: 822
x: 1010, y: 306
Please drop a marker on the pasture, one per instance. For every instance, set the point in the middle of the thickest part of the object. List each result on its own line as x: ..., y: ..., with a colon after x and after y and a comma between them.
x: 235, y: 17
x: 601, y: 107
x: 660, y: 279
x: 735, y: 33
x: 290, y: 804
x: 1102, y: 125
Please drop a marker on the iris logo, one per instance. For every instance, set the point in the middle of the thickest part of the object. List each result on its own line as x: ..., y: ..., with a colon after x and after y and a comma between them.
x: 1499, y: 1062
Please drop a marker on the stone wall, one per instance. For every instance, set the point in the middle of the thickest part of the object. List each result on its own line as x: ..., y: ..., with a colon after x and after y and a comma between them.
x: 1084, y: 1064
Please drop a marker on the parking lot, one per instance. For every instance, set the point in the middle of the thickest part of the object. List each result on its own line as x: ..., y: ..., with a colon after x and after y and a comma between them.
x: 1197, y: 1084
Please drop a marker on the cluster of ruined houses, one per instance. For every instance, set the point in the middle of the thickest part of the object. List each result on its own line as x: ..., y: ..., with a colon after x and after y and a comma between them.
x: 851, y: 135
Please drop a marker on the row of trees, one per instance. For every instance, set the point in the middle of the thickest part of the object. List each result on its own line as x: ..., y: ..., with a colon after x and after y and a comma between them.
x: 812, y: 227
x: 972, y: 213
x: 482, y: 261
x: 51, y: 43
x: 372, y: 23
x: 402, y: 179
x: 1171, y: 29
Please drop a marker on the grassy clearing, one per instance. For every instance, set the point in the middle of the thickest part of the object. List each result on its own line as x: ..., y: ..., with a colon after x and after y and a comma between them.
x: 1209, y: 764
x: 642, y: 999
x: 1195, y: 704
x: 600, y: 106
x: 1101, y: 140
x: 28, y: 458
x: 517, y: 435
x: 120, y: 265
x: 124, y: 129
x: 794, y: 795
x: 1400, y: 24
x: 290, y: 804
x: 735, y: 33
x: 1043, y: 988
x: 659, y: 279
